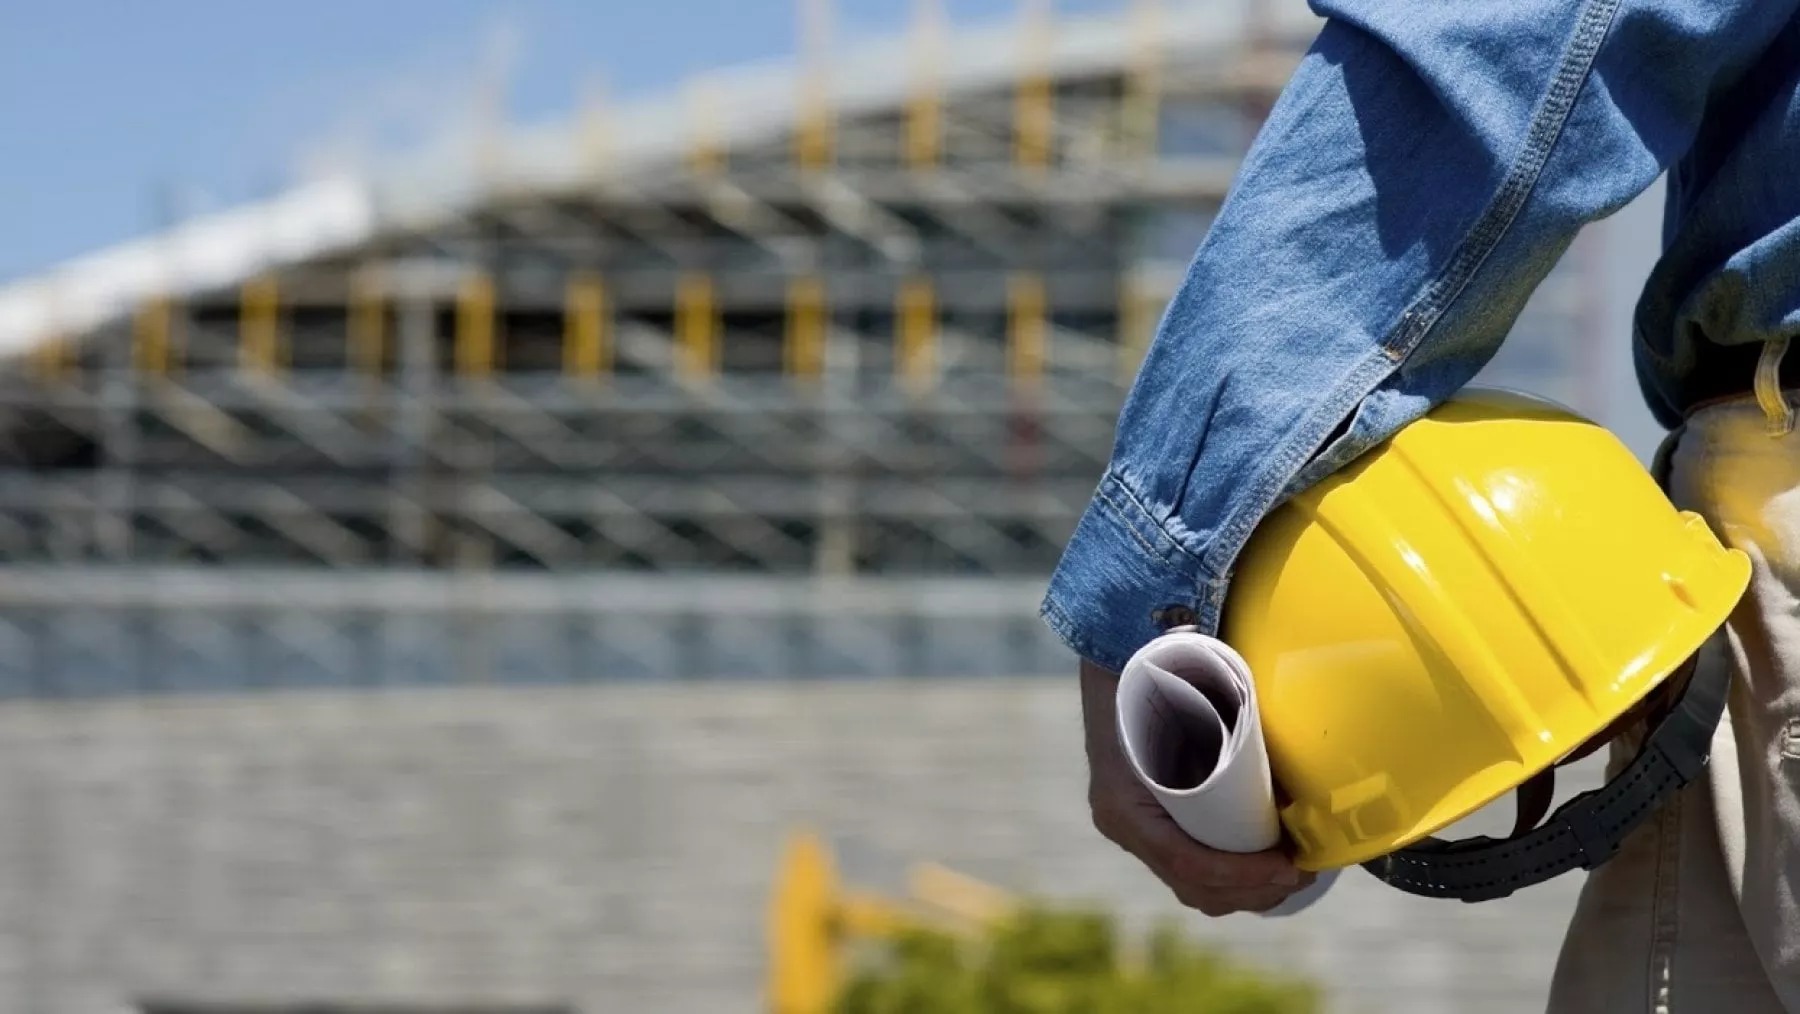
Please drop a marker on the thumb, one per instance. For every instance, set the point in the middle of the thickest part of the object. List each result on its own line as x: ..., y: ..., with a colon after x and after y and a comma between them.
x: 1165, y: 845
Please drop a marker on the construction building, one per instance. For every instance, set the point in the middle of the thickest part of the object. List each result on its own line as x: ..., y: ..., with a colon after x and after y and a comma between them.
x: 803, y: 371
x: 648, y: 393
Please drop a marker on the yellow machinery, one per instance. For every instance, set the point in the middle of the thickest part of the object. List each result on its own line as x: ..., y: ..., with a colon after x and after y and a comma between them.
x: 812, y: 918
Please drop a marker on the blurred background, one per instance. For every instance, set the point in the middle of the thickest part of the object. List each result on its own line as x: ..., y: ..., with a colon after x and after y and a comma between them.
x: 507, y: 508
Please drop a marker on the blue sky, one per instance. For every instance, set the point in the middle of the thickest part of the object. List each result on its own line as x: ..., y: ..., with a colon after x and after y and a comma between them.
x: 115, y: 114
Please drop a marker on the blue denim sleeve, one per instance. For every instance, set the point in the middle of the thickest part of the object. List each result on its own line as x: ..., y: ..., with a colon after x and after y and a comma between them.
x: 1416, y: 180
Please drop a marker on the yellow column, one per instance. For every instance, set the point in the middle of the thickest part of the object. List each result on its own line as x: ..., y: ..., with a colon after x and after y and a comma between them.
x: 915, y: 346
x: 51, y: 360
x: 696, y: 328
x: 153, y: 335
x: 1137, y: 320
x: 1142, y: 107
x: 813, y: 140
x: 1034, y: 117
x: 587, y: 349
x: 1027, y: 331
x: 475, y: 327
x: 807, y: 327
x: 367, y: 333
x: 924, y: 142
x: 594, y: 128
x: 706, y: 155
x: 259, y: 332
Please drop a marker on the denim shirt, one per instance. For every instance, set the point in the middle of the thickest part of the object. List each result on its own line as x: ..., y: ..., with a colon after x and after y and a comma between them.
x: 1418, y: 177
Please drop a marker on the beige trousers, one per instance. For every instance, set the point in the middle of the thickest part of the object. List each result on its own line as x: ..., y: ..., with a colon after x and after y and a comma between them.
x: 1700, y: 910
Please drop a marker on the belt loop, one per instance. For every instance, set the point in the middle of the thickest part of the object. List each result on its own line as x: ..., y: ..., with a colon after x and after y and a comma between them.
x: 1776, y: 409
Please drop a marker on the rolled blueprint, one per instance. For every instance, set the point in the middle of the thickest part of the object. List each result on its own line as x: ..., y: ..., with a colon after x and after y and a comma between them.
x: 1190, y: 728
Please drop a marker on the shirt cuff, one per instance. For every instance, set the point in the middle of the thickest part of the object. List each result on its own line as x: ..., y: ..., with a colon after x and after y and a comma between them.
x: 1119, y: 572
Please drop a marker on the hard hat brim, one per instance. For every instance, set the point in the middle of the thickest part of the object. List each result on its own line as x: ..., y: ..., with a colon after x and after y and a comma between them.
x: 1668, y: 655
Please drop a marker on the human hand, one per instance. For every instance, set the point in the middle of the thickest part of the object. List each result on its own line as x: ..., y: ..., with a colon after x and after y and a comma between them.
x: 1216, y: 883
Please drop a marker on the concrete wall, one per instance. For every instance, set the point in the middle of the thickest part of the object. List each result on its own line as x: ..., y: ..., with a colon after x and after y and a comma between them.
x: 607, y: 847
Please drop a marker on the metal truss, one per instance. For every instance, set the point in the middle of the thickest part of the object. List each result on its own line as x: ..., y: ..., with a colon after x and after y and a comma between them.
x: 866, y: 370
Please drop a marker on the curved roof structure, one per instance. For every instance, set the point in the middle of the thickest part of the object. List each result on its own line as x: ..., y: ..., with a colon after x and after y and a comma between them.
x: 745, y: 105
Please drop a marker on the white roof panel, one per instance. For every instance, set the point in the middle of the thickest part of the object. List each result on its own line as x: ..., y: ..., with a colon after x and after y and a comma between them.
x: 744, y: 104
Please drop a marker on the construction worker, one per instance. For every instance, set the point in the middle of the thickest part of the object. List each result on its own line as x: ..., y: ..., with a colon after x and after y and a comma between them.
x: 1418, y: 177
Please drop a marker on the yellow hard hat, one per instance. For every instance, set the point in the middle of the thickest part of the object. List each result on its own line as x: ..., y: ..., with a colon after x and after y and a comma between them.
x: 1453, y: 614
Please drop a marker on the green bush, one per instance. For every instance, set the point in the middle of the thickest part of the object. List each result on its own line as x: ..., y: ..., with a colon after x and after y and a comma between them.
x: 1048, y: 961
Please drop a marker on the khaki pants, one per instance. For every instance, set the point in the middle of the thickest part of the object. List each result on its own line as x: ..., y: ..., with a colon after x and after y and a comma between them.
x: 1700, y: 910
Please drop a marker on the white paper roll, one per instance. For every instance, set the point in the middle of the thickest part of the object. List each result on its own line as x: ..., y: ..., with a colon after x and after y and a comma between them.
x: 1190, y: 728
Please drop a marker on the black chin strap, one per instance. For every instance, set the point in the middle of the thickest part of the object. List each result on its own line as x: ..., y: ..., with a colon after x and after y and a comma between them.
x: 1585, y: 831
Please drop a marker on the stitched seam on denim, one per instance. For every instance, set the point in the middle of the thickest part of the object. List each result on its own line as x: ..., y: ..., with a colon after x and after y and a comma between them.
x: 1082, y: 645
x: 1122, y: 522
x: 1272, y: 479
x: 1134, y: 510
x: 1119, y: 512
x: 1059, y: 621
x: 1540, y: 142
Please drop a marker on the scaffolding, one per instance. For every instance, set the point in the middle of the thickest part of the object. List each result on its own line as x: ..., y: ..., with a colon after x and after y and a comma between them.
x: 886, y: 342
